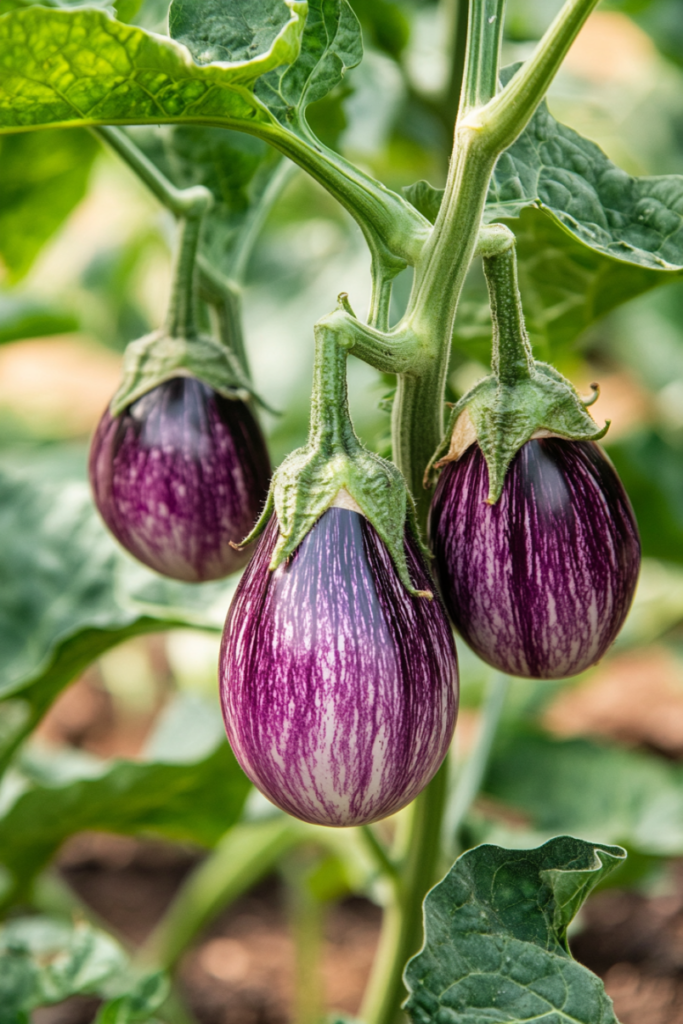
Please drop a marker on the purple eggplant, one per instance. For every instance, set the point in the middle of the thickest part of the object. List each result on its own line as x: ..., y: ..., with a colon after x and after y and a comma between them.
x: 339, y: 688
x: 540, y: 582
x: 180, y: 474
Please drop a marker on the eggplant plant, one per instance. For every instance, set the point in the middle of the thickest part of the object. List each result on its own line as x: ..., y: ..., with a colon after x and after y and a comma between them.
x: 339, y: 682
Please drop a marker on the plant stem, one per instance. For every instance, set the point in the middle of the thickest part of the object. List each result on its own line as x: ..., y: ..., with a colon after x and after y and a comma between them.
x: 507, y: 114
x: 178, y: 201
x: 483, y: 42
x: 458, y: 15
x: 181, y: 320
x: 511, y: 358
x: 472, y: 774
x: 402, y: 924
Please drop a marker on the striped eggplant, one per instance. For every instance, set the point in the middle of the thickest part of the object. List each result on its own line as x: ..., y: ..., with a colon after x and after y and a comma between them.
x: 339, y: 688
x: 178, y: 475
x: 538, y: 583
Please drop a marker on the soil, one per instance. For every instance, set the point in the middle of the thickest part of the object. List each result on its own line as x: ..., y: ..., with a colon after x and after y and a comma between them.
x: 242, y: 968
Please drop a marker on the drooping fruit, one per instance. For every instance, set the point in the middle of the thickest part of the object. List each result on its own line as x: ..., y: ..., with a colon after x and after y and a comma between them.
x: 339, y: 687
x: 540, y: 582
x: 178, y: 475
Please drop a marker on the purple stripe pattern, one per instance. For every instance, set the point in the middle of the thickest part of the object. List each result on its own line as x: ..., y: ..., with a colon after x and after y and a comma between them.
x: 178, y: 475
x: 339, y: 689
x: 538, y: 584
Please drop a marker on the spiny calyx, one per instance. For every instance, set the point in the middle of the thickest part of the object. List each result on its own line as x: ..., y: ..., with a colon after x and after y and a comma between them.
x: 159, y: 357
x: 522, y: 398
x: 333, y: 468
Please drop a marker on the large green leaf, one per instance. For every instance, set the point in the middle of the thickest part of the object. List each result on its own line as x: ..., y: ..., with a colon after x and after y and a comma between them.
x: 190, y: 789
x: 43, y: 175
x: 69, y: 592
x: 44, y: 961
x: 496, y: 938
x: 82, y: 67
x: 579, y: 786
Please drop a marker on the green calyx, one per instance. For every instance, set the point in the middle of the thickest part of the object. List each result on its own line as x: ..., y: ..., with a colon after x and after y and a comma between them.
x: 159, y: 357
x: 334, y: 469
x: 523, y: 398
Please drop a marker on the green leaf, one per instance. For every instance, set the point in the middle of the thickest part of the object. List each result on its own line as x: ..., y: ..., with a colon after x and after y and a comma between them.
x: 16, y: 5
x: 496, y: 938
x: 230, y: 32
x: 43, y: 176
x: 146, y: 997
x: 70, y: 592
x: 626, y: 797
x: 192, y: 793
x: 28, y: 316
x: 44, y: 961
x: 331, y: 44
x: 82, y: 67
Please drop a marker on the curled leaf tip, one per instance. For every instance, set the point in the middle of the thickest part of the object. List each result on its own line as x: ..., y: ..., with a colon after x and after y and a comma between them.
x: 592, y: 398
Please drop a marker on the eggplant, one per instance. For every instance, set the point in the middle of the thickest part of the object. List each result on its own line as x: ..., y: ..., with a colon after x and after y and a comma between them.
x: 180, y: 474
x: 339, y: 688
x: 538, y: 583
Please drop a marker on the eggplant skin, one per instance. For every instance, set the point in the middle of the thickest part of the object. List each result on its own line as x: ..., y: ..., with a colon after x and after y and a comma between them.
x: 339, y: 689
x: 178, y: 475
x: 540, y: 583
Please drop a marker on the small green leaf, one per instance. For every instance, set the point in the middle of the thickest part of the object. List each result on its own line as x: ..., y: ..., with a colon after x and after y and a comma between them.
x: 43, y: 175
x: 331, y: 44
x: 136, y: 1006
x: 45, y: 961
x: 496, y: 938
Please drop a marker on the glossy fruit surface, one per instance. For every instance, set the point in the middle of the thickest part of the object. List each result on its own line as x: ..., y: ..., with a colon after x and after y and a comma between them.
x: 339, y: 689
x: 178, y: 475
x: 538, y: 584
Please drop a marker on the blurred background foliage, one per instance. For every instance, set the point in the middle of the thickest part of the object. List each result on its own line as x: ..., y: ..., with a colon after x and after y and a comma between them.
x: 84, y: 269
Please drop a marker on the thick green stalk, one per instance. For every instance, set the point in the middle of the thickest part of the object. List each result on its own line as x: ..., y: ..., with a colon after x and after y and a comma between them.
x: 511, y: 358
x: 402, y: 923
x: 181, y: 320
